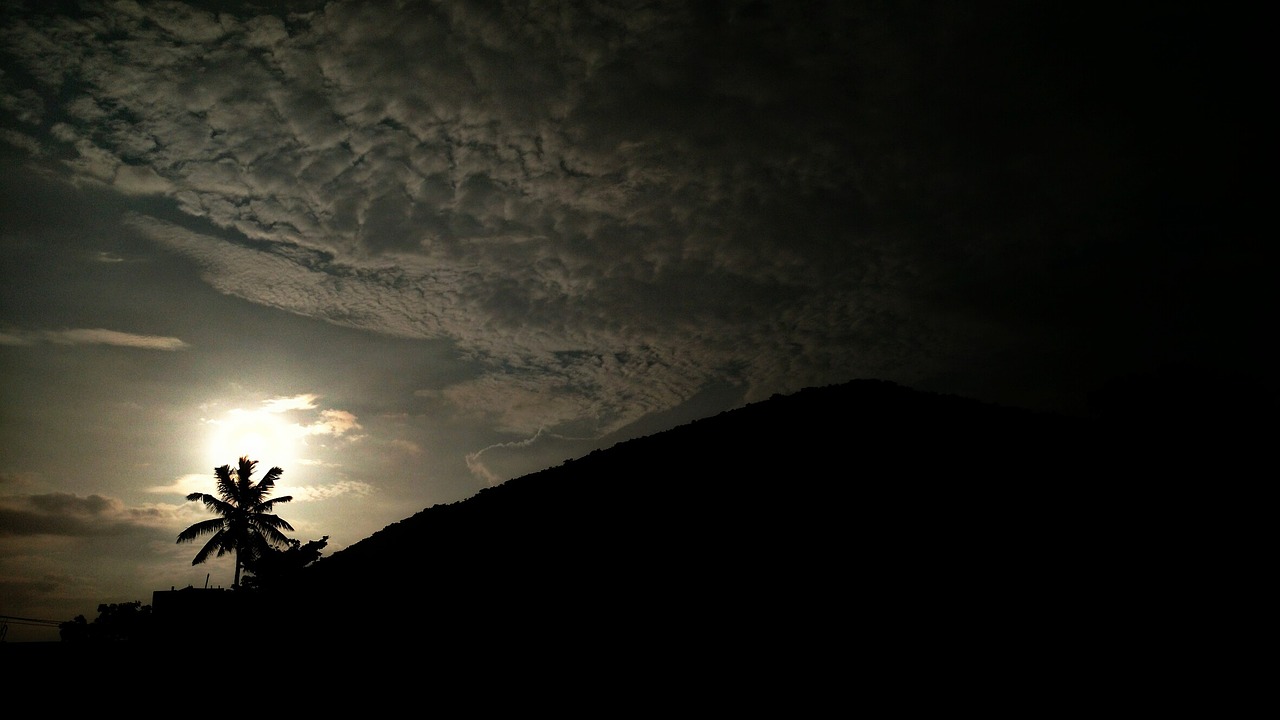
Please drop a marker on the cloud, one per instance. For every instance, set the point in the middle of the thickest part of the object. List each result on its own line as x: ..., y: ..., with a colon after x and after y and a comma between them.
x: 64, y: 514
x: 12, y: 480
x: 24, y: 105
x: 100, y: 336
x: 284, y: 404
x: 22, y: 141
x: 278, y: 426
x: 187, y: 484
x: 333, y: 422
x: 481, y: 470
x: 184, y: 485
x: 317, y: 493
x: 606, y: 211
x: 13, y: 340
x: 133, y: 180
x: 407, y: 446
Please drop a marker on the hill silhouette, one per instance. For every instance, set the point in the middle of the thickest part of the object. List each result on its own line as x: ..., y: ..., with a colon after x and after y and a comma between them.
x: 866, y: 537
x: 864, y: 514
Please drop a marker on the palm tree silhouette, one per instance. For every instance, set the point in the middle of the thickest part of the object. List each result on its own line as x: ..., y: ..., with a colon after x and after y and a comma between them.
x: 246, y: 525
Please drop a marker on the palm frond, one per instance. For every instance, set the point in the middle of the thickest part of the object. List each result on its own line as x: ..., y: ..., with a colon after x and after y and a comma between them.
x: 212, y: 503
x: 204, y: 527
x: 268, y: 481
x: 262, y: 520
x: 215, y: 543
x: 273, y: 534
x: 257, y: 546
x: 243, y: 473
x: 224, y: 482
x: 266, y: 506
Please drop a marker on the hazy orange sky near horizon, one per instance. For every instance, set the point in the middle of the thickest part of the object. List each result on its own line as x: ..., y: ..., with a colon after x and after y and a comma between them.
x: 409, y: 250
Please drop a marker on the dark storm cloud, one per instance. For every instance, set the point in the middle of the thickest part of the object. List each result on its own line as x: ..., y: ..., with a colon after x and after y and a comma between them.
x: 613, y: 205
x: 63, y: 514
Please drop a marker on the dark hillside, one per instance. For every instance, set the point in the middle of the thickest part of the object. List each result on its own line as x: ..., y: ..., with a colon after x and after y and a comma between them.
x: 838, y: 512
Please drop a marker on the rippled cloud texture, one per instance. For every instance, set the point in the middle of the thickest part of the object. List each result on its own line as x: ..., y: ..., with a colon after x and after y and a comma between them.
x: 608, y: 206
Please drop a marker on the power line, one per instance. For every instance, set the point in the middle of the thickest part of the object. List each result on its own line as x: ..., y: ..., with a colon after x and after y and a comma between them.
x: 29, y: 621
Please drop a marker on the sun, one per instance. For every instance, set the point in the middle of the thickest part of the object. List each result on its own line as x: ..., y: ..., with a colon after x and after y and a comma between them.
x: 263, y: 436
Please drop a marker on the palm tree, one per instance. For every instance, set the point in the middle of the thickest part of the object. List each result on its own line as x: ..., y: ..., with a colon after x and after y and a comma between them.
x: 246, y: 525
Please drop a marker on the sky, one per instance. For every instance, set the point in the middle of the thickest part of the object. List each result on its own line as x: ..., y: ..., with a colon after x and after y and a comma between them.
x: 409, y: 250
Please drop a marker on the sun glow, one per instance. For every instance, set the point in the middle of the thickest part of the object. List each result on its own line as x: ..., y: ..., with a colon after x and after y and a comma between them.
x: 264, y: 436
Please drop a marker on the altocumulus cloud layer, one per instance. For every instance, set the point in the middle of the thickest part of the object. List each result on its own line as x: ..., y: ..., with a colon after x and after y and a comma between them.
x: 608, y: 205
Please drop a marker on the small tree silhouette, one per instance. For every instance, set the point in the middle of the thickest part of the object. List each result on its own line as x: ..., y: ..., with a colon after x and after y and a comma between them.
x: 273, y: 567
x: 246, y: 526
x: 116, y: 622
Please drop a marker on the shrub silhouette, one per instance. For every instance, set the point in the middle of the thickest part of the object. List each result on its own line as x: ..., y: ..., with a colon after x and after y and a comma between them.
x: 116, y: 622
x: 273, y: 567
